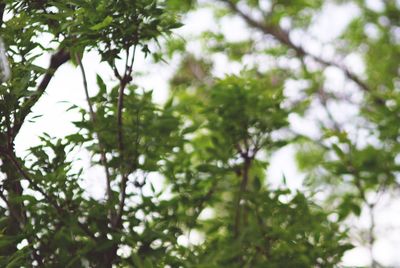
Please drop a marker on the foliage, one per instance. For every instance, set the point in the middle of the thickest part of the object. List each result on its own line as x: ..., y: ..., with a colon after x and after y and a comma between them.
x: 210, y: 143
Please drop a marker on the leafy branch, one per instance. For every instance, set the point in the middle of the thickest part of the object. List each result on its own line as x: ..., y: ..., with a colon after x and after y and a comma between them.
x: 283, y: 37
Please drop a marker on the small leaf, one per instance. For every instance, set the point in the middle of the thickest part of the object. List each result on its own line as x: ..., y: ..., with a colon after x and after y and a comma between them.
x: 107, y: 21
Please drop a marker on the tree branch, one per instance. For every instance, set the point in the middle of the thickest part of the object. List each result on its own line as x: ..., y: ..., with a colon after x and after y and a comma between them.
x: 283, y: 37
x: 2, y: 8
x: 48, y: 198
x: 124, y: 81
x: 58, y: 59
x: 103, y: 158
x: 242, y: 189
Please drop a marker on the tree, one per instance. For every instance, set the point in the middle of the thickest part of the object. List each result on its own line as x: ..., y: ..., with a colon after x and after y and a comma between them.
x: 211, y: 140
x: 352, y: 158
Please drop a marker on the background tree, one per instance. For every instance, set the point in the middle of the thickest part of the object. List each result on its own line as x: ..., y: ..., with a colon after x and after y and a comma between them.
x: 350, y: 158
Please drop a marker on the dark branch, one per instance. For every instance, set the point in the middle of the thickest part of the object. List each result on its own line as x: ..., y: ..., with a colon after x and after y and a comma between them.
x: 124, y: 81
x: 2, y: 9
x: 58, y: 59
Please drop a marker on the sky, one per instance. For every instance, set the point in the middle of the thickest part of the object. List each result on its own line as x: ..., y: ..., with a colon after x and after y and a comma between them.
x: 66, y: 89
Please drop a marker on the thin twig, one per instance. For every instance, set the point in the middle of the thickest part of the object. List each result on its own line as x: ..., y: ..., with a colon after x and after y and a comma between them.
x: 120, y: 106
x: 103, y: 158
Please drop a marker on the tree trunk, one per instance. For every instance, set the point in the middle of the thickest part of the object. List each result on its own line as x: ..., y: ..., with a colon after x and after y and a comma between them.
x: 16, y: 217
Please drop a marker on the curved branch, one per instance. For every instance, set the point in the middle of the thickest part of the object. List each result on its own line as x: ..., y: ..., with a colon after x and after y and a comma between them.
x: 283, y: 37
x: 58, y: 59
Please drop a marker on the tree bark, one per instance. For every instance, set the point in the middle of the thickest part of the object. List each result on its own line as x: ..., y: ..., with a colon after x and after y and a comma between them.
x: 16, y: 217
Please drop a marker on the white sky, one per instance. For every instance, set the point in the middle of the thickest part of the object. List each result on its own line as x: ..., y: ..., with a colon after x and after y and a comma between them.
x: 67, y: 87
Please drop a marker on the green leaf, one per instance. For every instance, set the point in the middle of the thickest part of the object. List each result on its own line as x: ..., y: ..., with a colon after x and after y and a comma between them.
x: 106, y: 22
